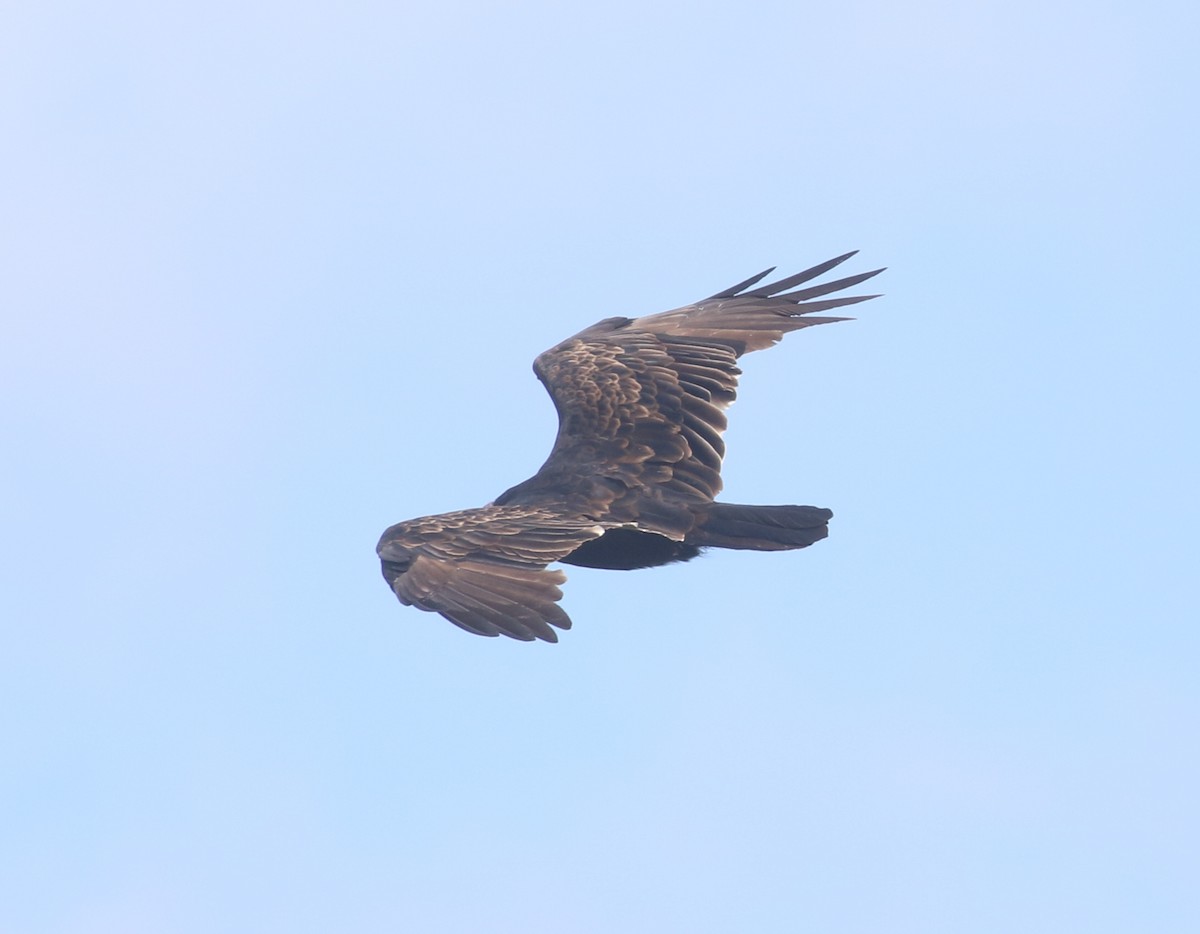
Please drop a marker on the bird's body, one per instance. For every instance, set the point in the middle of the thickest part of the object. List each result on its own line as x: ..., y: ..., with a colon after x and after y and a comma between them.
x: 634, y: 472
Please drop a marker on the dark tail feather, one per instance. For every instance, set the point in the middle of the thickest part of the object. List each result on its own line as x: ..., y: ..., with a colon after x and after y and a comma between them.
x: 761, y: 528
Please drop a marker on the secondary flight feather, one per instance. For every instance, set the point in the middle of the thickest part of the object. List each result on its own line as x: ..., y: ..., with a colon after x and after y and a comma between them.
x: 633, y: 476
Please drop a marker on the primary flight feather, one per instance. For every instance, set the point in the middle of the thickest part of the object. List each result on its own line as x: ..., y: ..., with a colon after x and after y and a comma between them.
x: 632, y: 479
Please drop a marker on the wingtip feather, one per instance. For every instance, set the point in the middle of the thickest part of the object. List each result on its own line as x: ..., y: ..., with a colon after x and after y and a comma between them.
x: 745, y: 284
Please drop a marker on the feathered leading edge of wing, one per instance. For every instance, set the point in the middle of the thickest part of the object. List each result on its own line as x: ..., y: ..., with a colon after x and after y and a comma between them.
x: 485, y: 569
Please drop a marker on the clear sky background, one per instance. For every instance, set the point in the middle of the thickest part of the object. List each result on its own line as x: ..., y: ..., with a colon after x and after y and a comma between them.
x: 273, y: 279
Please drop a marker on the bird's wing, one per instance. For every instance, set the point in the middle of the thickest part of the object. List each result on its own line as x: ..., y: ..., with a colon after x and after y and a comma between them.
x: 485, y: 569
x: 641, y: 401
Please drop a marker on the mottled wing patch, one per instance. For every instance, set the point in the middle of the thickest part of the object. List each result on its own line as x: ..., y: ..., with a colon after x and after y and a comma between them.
x: 642, y: 408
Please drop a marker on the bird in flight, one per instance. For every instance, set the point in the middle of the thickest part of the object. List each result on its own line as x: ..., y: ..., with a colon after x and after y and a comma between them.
x: 633, y: 476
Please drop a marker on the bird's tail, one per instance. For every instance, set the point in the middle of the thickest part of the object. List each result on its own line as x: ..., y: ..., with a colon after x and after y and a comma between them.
x: 761, y: 528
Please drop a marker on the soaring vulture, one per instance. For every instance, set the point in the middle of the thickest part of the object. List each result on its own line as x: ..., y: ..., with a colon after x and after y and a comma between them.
x: 632, y: 478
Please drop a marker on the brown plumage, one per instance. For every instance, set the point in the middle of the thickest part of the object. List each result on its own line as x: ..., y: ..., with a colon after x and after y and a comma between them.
x: 632, y: 478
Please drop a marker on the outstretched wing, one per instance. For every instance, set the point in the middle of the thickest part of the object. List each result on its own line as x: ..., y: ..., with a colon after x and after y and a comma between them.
x: 641, y: 401
x: 485, y: 569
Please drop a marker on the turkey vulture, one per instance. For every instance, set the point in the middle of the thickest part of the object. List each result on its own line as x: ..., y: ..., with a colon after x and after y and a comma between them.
x: 635, y: 469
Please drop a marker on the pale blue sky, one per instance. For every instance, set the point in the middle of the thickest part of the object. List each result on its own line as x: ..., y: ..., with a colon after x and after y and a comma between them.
x: 273, y: 278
